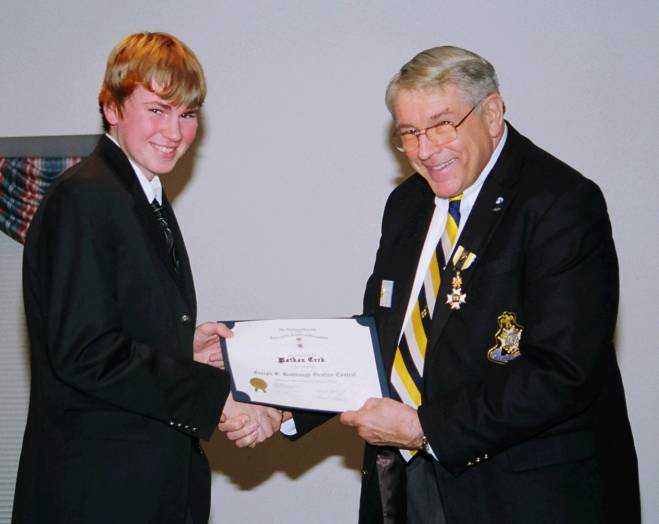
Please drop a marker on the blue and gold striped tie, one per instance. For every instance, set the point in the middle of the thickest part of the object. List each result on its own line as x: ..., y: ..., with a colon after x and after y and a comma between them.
x: 407, y: 370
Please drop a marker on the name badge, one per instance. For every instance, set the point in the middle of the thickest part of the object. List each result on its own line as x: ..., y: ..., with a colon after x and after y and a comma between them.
x: 386, y: 293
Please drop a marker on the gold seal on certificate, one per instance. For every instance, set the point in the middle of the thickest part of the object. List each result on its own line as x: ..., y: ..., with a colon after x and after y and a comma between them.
x: 329, y: 364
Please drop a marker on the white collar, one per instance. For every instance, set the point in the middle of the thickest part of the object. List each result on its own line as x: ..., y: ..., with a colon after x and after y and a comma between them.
x: 152, y: 188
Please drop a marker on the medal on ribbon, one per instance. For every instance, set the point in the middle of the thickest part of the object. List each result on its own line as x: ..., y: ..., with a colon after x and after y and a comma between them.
x: 462, y: 259
x: 456, y: 297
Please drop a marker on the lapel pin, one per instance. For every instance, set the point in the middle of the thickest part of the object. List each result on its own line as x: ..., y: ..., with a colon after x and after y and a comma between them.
x: 463, y: 258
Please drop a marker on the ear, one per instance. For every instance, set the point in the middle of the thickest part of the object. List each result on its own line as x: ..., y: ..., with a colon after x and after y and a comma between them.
x: 112, y: 113
x: 494, y: 109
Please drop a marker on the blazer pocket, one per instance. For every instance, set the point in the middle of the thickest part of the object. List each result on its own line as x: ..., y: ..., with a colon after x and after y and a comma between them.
x: 551, y: 450
x: 500, y: 265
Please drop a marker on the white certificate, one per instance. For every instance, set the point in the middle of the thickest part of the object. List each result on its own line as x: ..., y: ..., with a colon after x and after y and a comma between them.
x: 327, y: 364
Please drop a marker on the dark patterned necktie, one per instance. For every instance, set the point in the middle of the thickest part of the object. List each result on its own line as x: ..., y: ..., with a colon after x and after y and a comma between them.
x: 166, y: 232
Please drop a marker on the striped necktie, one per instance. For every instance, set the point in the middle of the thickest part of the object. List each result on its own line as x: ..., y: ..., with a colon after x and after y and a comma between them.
x: 166, y: 232
x: 407, y: 370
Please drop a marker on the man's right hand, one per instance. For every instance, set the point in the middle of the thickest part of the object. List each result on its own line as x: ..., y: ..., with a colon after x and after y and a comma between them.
x: 248, y: 424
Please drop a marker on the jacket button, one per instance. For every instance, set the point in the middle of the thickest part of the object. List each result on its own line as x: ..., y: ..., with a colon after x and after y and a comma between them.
x: 364, y: 473
x: 194, y: 429
x: 469, y: 464
x: 185, y: 319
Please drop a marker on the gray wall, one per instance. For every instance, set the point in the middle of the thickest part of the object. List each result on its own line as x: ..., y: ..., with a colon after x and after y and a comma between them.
x: 281, y: 200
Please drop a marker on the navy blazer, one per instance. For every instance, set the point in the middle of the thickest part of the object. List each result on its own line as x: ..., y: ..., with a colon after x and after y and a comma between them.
x: 522, y: 399
x: 117, y: 404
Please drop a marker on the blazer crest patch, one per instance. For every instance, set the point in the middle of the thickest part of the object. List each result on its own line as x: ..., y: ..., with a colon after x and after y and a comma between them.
x: 507, y: 339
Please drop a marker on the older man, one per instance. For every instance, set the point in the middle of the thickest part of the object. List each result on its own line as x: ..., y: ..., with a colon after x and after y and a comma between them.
x: 495, y: 291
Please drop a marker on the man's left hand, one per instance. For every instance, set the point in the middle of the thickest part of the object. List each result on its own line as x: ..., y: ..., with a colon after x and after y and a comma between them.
x: 386, y: 422
x: 206, y: 343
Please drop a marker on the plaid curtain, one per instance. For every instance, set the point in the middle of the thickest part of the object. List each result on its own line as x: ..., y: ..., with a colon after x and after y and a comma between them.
x: 23, y: 183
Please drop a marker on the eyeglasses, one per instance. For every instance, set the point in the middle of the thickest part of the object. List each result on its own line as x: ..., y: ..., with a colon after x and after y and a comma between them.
x: 439, y: 134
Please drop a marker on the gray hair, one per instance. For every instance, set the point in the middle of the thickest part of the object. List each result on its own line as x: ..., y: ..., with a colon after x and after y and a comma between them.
x: 439, y: 66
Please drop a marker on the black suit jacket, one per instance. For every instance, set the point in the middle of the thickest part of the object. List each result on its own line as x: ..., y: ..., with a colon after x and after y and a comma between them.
x: 544, y: 437
x: 117, y: 404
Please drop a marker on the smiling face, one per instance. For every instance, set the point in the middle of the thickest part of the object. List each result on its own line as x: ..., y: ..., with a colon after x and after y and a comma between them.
x: 453, y: 167
x: 151, y: 131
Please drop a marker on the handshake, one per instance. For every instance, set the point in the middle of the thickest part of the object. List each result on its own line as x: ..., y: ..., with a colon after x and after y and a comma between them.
x: 250, y: 424
x: 245, y: 424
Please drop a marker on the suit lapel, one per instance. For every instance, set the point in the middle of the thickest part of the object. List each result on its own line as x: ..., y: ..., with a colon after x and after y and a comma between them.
x: 184, y: 275
x: 126, y: 175
x: 491, y: 205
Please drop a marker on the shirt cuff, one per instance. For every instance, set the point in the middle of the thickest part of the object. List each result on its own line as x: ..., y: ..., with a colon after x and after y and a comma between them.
x: 431, y: 452
x: 288, y: 428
